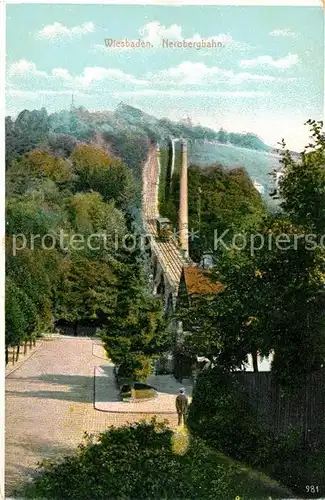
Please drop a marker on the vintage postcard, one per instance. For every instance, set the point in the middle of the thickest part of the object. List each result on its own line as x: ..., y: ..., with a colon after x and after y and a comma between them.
x: 165, y: 249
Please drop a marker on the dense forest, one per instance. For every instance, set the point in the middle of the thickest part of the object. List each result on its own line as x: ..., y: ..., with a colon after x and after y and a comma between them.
x: 122, y: 129
x: 73, y: 194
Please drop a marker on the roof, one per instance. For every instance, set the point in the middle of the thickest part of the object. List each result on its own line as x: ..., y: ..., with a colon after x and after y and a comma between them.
x: 197, y: 281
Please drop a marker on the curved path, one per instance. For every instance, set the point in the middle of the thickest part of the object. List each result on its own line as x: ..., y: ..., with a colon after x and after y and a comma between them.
x: 50, y: 403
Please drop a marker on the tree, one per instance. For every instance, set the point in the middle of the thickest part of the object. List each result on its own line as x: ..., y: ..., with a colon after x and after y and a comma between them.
x: 99, y: 172
x: 278, y: 295
x: 219, y: 201
x: 86, y: 157
x: 71, y: 123
x: 137, y: 329
x: 37, y: 271
x: 218, y: 327
x: 274, y: 297
x: 27, y: 171
x: 61, y: 144
x: 88, y: 213
x: 272, y: 302
x: 87, y: 291
x: 21, y: 316
x: 10, y: 140
x: 28, y: 132
x: 43, y: 164
x: 222, y: 135
x: 26, y: 216
x: 131, y: 147
x: 303, y: 184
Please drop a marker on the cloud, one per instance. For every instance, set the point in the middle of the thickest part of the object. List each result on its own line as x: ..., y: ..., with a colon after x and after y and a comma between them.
x: 268, y: 61
x: 58, y: 31
x: 189, y: 73
x: 35, y: 94
x: 92, y: 75
x: 61, y: 73
x: 190, y: 93
x: 155, y: 32
x: 287, y: 32
x: 24, y: 67
x: 24, y: 74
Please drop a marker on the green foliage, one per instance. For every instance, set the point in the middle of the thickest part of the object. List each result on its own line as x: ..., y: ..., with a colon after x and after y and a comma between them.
x: 137, y: 329
x: 96, y: 171
x: 144, y: 370
x: 276, y: 298
x: 226, y: 418
x: 273, y: 301
x: 74, y: 187
x: 244, y: 140
x: 21, y: 315
x: 184, y: 360
x: 40, y: 163
x: 37, y: 272
x: 71, y: 123
x: 61, y: 144
x: 222, y: 414
x: 87, y: 290
x: 303, y: 185
x: 141, y: 461
x: 131, y: 147
x: 219, y: 201
x: 26, y: 216
x: 88, y: 214
x: 135, y: 367
x: 27, y: 132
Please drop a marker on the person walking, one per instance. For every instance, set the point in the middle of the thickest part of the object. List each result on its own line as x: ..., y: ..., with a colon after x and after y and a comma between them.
x: 181, y: 406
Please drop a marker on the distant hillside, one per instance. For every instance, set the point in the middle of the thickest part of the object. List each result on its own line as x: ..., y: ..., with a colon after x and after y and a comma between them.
x: 126, y: 124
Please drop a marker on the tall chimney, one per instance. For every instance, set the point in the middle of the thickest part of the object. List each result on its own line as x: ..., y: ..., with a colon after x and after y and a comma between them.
x: 158, y: 158
x: 183, y: 202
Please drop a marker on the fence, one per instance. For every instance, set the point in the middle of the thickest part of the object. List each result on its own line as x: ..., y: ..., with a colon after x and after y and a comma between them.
x: 305, y: 409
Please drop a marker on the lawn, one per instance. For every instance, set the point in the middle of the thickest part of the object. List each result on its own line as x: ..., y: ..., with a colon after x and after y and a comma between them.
x: 144, y: 394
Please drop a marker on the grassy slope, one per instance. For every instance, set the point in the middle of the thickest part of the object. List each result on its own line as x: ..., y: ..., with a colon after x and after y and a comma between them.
x: 234, y: 480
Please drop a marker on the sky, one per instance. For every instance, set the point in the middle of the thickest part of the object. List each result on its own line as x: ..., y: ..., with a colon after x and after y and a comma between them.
x: 267, y: 78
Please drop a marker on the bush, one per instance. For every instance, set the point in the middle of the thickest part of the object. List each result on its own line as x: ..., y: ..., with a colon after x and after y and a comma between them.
x: 134, y: 368
x: 222, y: 414
x: 144, y: 369
x: 145, y: 460
x: 296, y: 463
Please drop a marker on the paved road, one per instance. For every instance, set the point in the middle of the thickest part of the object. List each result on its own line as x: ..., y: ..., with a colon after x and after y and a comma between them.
x: 49, y: 404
